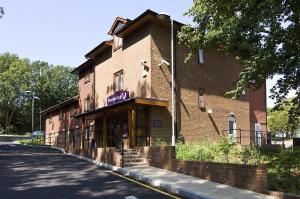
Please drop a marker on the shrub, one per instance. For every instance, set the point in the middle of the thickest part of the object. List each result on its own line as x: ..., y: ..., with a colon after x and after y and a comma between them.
x: 284, y: 171
x: 225, y: 147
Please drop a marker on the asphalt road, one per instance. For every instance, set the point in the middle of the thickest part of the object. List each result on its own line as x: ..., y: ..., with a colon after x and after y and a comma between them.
x: 30, y: 172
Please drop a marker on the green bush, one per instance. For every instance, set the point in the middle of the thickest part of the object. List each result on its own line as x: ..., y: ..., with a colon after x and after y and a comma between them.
x: 207, y: 151
x: 284, y: 171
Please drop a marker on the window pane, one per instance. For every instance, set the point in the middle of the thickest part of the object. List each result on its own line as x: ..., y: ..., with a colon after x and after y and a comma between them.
x: 117, y: 82
x: 121, y: 81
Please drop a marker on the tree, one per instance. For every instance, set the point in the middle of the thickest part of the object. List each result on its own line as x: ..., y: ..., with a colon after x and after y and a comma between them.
x: 263, y: 35
x: 1, y: 12
x: 278, y: 120
x: 14, y: 73
x: 52, y: 84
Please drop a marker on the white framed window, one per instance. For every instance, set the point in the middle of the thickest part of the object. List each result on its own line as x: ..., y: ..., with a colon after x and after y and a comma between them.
x: 201, y: 56
x: 87, y: 103
x: 201, y: 100
x: 118, y: 42
x: 118, y: 80
x: 257, y: 128
x: 232, y: 128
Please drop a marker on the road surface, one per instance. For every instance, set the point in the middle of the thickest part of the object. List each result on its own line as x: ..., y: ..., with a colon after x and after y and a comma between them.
x: 42, y: 173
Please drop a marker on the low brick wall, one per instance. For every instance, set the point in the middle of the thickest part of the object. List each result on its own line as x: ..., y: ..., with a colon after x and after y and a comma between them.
x: 158, y: 156
x: 282, y: 195
x: 252, y: 177
x: 106, y: 155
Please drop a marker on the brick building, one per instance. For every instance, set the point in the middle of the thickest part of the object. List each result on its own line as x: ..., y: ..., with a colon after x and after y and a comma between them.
x: 125, y: 93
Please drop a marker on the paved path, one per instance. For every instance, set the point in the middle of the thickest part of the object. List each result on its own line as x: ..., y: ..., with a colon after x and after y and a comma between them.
x: 190, y: 186
x: 31, y: 172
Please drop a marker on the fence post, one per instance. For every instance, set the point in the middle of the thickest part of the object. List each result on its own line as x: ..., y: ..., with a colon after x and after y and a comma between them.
x: 240, y: 137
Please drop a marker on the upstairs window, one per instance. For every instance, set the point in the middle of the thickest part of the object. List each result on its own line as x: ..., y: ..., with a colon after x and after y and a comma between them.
x: 87, y: 76
x: 118, y: 42
x: 61, y: 115
x: 118, y: 81
x: 87, y: 103
x: 73, y: 111
x: 50, y: 118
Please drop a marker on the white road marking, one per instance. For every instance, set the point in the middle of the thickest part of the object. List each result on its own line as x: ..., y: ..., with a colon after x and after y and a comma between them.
x: 130, y: 197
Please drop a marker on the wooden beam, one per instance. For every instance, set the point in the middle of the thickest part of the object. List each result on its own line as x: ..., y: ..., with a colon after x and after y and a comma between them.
x: 82, y: 133
x: 133, y: 125
x: 130, y: 127
x: 152, y: 102
x: 104, y: 130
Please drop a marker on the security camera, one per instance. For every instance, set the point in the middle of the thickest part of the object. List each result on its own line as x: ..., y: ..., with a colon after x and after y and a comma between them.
x: 164, y: 62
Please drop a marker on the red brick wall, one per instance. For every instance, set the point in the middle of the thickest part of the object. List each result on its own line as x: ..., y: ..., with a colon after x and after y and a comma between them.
x: 258, y: 108
x: 86, y: 89
x: 57, y: 125
x: 217, y: 76
x: 250, y: 177
x: 107, y: 155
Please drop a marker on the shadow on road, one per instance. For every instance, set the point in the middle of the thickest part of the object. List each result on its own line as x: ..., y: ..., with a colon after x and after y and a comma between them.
x: 28, y: 172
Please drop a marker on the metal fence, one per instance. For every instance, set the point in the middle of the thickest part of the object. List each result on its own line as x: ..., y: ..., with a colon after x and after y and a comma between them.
x: 260, y: 138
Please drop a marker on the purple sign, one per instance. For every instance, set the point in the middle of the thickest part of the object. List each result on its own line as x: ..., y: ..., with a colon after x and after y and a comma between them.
x: 118, y: 97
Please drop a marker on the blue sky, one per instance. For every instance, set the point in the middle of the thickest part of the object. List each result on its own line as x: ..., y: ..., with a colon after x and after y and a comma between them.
x: 63, y: 31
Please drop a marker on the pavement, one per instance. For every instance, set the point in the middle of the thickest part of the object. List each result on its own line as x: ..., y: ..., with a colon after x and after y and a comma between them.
x: 183, y: 185
x: 39, y: 172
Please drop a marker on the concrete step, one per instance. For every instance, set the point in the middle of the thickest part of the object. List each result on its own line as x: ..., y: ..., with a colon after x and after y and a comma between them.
x: 134, y: 159
x: 135, y: 164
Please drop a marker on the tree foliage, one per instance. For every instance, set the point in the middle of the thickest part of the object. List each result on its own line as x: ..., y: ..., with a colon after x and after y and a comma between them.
x: 278, y: 120
x: 1, y: 12
x: 52, y: 84
x: 263, y: 35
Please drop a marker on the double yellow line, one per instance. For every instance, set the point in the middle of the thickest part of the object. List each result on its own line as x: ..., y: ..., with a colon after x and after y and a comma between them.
x: 144, y: 185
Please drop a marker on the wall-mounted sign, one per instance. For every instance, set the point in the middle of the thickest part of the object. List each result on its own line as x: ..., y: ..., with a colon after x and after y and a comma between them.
x: 156, y: 123
x: 118, y: 97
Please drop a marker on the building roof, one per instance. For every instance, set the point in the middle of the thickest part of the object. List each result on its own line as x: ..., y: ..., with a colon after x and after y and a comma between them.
x: 98, y: 49
x: 115, y: 24
x: 83, y: 66
x: 61, y: 105
x: 146, y: 16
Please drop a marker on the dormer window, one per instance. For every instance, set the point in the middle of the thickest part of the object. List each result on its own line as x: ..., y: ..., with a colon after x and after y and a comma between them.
x: 117, y: 25
x: 118, y: 42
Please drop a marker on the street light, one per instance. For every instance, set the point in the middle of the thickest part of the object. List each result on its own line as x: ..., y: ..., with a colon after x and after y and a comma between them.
x: 33, y: 97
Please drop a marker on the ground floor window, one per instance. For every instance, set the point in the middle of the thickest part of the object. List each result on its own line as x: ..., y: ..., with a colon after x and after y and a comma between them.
x: 232, y: 127
x: 258, y: 133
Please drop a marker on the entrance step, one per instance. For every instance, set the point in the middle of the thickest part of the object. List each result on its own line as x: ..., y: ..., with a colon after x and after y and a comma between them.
x: 133, y: 158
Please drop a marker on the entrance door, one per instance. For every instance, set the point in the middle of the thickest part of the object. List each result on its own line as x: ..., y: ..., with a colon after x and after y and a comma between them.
x: 142, y: 137
x: 117, y: 129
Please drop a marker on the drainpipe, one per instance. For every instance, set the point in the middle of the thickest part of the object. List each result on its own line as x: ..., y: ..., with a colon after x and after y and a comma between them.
x: 172, y: 91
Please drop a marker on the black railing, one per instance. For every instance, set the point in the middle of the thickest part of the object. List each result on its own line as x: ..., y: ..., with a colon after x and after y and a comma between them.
x: 256, y: 137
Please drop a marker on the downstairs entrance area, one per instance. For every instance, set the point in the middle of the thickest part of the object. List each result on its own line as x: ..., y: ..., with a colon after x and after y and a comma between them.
x: 134, y: 122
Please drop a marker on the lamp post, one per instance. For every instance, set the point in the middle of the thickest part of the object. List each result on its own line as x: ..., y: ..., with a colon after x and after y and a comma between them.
x: 165, y: 16
x: 33, y: 97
